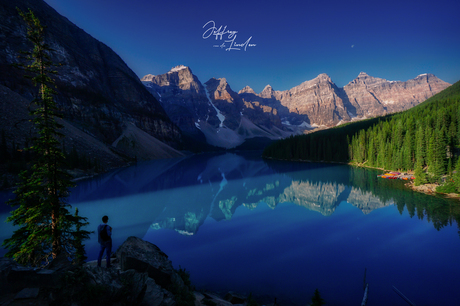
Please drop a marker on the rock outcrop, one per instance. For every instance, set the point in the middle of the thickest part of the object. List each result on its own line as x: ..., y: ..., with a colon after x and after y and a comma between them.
x: 141, y: 275
x: 234, y: 107
x: 319, y: 102
x: 143, y: 256
x: 216, y: 114
x: 226, y: 101
x: 183, y: 97
x: 97, y: 92
x: 318, y: 99
x: 372, y: 97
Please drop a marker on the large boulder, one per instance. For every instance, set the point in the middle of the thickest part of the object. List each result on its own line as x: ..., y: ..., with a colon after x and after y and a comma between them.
x: 144, y: 256
x: 155, y: 295
x: 128, y: 287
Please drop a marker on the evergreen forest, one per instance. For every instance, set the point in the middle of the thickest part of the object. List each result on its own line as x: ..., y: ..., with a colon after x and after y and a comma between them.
x: 424, y: 140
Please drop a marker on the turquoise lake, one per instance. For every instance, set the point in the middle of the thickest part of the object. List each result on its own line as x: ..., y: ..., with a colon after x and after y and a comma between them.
x: 281, y: 229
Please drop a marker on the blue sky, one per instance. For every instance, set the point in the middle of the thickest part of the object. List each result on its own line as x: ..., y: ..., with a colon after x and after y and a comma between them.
x: 294, y: 40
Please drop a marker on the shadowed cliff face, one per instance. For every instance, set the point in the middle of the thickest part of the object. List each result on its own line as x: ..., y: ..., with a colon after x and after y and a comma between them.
x: 226, y: 100
x: 97, y: 91
x: 214, y: 111
x: 183, y: 97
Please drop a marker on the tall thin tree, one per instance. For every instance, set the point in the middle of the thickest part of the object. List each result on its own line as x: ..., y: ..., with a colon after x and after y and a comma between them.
x: 46, y: 227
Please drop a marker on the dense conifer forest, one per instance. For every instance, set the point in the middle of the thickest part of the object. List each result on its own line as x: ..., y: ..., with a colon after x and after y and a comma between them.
x: 424, y: 139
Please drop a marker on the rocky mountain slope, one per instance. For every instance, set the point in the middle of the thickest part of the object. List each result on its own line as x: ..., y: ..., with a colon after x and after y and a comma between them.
x: 216, y: 114
x: 14, y: 122
x: 372, y: 97
x: 227, y: 119
x: 319, y: 102
x: 98, y: 94
x: 182, y: 96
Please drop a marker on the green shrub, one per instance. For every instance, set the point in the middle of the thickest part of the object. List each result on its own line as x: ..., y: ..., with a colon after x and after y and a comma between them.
x: 448, y: 187
x: 184, y: 295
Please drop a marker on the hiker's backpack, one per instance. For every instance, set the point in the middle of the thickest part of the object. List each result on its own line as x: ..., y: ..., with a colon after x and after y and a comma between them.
x: 104, y: 235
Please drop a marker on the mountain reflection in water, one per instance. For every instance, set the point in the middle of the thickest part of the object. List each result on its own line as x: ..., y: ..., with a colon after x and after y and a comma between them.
x: 229, y: 180
x: 238, y: 222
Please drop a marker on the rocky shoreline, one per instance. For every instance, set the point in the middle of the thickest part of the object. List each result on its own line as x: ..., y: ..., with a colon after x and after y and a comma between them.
x: 430, y: 189
x: 141, y: 274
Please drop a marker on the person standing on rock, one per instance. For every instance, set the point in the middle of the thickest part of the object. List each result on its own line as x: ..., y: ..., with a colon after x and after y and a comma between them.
x: 104, y: 237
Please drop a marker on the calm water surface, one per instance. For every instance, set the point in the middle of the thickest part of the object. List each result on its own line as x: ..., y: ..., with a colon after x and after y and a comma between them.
x: 279, y: 229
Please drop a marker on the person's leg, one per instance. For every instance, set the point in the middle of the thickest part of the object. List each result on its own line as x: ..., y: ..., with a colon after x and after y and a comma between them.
x: 109, y: 253
x: 101, y: 253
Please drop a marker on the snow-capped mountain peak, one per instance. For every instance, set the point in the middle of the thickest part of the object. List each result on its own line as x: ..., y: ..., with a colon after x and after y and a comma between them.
x: 177, y: 68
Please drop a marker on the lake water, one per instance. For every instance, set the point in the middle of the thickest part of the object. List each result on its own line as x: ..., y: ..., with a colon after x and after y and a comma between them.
x: 280, y: 229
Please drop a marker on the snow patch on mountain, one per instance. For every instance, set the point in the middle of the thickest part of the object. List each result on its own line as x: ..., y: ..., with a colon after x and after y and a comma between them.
x: 177, y: 68
x: 307, y: 125
x: 219, y: 114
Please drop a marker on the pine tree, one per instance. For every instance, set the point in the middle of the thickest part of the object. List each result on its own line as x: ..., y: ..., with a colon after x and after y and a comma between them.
x: 381, y: 150
x: 449, y: 167
x: 46, y: 228
x: 316, y: 300
x: 458, y: 125
x: 420, y: 143
x: 371, y: 150
x: 430, y: 157
x: 439, y: 153
x: 398, y: 134
x: 407, y: 163
x: 80, y: 254
x: 420, y: 176
x: 456, y: 176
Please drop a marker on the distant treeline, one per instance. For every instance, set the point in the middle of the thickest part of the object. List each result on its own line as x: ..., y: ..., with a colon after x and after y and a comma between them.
x: 424, y: 139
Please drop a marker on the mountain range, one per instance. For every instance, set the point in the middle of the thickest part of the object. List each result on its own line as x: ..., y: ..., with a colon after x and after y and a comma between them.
x: 110, y: 114
x: 215, y: 113
x: 227, y: 119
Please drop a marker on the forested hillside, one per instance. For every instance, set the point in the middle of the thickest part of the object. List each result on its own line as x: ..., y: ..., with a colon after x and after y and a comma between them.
x: 425, y: 139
